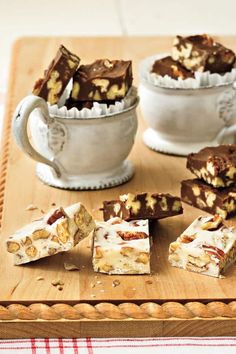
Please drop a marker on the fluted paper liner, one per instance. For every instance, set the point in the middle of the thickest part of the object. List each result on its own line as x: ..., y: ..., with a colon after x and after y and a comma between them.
x: 205, y: 79
x: 98, y: 109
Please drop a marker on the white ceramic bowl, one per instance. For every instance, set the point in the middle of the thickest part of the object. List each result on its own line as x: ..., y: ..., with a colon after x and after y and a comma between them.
x: 183, y: 120
x: 86, y: 153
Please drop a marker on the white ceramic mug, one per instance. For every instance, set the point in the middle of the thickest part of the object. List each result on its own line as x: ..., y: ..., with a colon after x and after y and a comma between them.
x: 87, y: 153
x: 182, y: 121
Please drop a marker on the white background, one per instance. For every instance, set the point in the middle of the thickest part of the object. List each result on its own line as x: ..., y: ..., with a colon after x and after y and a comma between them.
x: 110, y: 18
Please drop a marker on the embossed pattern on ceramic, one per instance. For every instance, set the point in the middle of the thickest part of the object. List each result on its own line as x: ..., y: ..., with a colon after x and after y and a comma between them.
x: 184, y: 120
x: 89, y: 152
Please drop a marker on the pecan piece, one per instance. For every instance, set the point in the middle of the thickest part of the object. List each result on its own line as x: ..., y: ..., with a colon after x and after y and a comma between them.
x: 187, y: 238
x: 215, y: 251
x: 129, y: 235
x: 58, y: 214
x: 213, y: 224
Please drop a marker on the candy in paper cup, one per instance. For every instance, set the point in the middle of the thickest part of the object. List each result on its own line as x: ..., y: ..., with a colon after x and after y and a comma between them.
x: 205, y: 79
x: 98, y: 109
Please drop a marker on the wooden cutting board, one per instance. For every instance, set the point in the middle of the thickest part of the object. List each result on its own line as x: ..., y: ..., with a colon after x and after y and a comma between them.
x: 168, y: 302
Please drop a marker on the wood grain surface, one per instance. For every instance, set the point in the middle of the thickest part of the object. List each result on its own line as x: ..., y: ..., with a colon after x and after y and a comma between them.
x: 154, y: 172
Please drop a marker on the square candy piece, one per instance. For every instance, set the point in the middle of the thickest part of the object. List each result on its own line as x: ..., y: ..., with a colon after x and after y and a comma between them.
x: 58, y: 231
x: 207, y: 247
x: 57, y: 76
x: 201, y: 53
x: 102, y: 80
x: 205, y: 197
x: 121, y: 247
x: 170, y: 67
x: 142, y: 206
x: 215, y: 165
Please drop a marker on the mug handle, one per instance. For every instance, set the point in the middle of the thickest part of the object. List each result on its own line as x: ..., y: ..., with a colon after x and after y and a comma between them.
x: 227, y: 130
x: 20, y: 123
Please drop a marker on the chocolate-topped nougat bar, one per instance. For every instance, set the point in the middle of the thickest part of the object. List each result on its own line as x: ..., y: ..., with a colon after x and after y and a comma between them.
x: 102, y: 80
x: 202, y: 53
x: 201, y: 195
x: 207, y: 247
x: 215, y: 165
x: 142, y: 206
x: 59, y: 230
x: 170, y: 67
x: 121, y: 247
x: 57, y: 76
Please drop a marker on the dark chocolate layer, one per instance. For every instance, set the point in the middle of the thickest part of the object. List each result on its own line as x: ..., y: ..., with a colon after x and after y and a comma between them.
x: 216, y: 165
x: 85, y: 104
x: 57, y: 76
x: 202, y: 53
x: 205, y: 197
x: 102, y: 80
x: 142, y: 206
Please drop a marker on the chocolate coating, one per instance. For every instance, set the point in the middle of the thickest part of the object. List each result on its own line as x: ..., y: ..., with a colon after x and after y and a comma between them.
x: 170, y: 67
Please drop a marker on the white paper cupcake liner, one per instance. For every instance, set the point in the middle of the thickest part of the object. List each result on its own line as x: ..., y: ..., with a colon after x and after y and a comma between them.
x: 205, y: 79
x: 98, y: 109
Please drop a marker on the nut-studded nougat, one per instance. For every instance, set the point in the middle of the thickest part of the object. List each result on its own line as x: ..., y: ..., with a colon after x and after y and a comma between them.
x: 142, y: 206
x: 59, y: 230
x: 57, y: 76
x: 121, y: 247
x: 207, y: 246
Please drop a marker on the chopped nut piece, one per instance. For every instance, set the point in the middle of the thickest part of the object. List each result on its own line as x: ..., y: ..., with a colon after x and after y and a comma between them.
x: 31, y: 207
x: 70, y: 266
x: 129, y: 235
x: 213, y: 224
x: 12, y: 246
x: 55, y: 282
x: 40, y: 234
x: 58, y: 214
x: 31, y: 251
x: 115, y: 283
